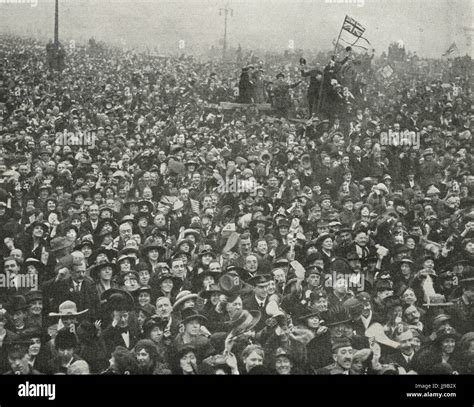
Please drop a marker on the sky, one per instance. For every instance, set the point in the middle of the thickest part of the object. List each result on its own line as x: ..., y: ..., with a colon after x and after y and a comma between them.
x: 427, y: 27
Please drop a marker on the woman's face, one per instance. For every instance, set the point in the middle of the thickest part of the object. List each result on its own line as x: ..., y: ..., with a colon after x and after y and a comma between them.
x: 405, y: 269
x: 357, y: 366
x: 125, y: 265
x: 365, y: 211
x: 206, y: 259
x: 71, y: 234
x: 144, y: 299
x: 106, y: 273
x: 313, y: 322
x: 327, y: 244
x: 35, y: 347
x: 283, y: 365
x: 153, y: 254
x: 416, y: 343
x: 271, y: 287
x: 166, y: 286
x: 187, y: 362
x: 36, y: 307
x: 156, y: 334
x: 447, y: 346
x: 252, y: 360
x: 410, y: 243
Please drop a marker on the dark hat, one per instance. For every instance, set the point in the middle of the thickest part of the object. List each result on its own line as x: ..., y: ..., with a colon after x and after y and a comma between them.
x: 309, y: 313
x: 17, y: 303
x: 280, y: 75
x: 391, y: 301
x: 43, y: 225
x: 152, y: 323
x: 95, y: 270
x: 65, y: 340
x: 117, y: 300
x: 383, y: 285
x: 213, y: 289
x: 153, y: 246
x: 38, y: 264
x: 338, y: 343
x: 190, y: 314
x: 260, y: 279
x: 337, y: 315
x: 322, y: 238
x: 59, y: 243
x: 34, y: 295
x: 445, y: 333
x: 110, y: 253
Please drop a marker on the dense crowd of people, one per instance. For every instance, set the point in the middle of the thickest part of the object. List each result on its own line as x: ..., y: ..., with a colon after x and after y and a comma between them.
x: 146, y: 228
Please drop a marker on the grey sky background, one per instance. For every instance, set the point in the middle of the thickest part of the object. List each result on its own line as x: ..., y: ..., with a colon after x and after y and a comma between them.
x: 425, y: 26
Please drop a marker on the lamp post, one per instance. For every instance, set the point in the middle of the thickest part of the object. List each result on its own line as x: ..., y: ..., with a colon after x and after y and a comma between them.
x: 225, y: 10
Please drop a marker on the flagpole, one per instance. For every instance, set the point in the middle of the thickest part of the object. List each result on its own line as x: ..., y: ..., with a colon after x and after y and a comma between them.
x: 322, y: 79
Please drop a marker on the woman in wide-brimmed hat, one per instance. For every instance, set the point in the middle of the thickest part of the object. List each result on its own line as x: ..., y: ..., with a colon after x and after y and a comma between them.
x: 105, y: 276
x: 165, y: 285
x: 36, y: 240
x: 153, y: 255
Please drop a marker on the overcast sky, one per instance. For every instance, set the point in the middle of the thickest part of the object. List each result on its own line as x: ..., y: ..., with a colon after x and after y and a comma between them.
x: 426, y: 26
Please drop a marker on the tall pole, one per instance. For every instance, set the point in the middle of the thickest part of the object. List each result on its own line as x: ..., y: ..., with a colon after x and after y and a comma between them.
x: 226, y: 10
x: 56, y: 23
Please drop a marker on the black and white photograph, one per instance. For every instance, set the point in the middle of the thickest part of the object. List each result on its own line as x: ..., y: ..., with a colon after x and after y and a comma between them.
x: 236, y: 187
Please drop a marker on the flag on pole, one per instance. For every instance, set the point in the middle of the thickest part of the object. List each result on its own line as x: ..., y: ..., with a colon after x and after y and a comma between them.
x: 353, y: 27
x: 452, y: 48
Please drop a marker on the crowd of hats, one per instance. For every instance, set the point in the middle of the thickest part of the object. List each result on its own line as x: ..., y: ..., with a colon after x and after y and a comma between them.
x: 329, y: 200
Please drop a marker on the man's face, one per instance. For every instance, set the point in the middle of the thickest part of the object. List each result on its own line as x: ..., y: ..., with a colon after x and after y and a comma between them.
x: 94, y: 212
x: 234, y: 307
x: 362, y: 239
x: 215, y: 267
x: 251, y: 263
x: 163, y: 308
x: 343, y: 357
x: 406, y: 343
x: 125, y: 231
x: 279, y: 275
x: 178, y: 269
x: 321, y: 304
x: 261, y: 291
x: 11, y: 266
x: 78, y: 272
x: 122, y: 317
x: 19, y: 365
x: 341, y: 330
x: 313, y: 280
x: 245, y: 245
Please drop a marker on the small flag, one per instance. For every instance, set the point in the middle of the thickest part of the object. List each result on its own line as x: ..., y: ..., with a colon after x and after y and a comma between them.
x: 452, y: 48
x: 386, y: 71
x: 353, y: 27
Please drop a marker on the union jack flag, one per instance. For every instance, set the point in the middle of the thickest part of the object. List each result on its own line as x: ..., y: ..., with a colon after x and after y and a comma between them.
x: 353, y: 27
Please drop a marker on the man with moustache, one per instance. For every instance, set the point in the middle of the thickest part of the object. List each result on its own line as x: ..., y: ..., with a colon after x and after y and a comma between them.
x: 342, y: 353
